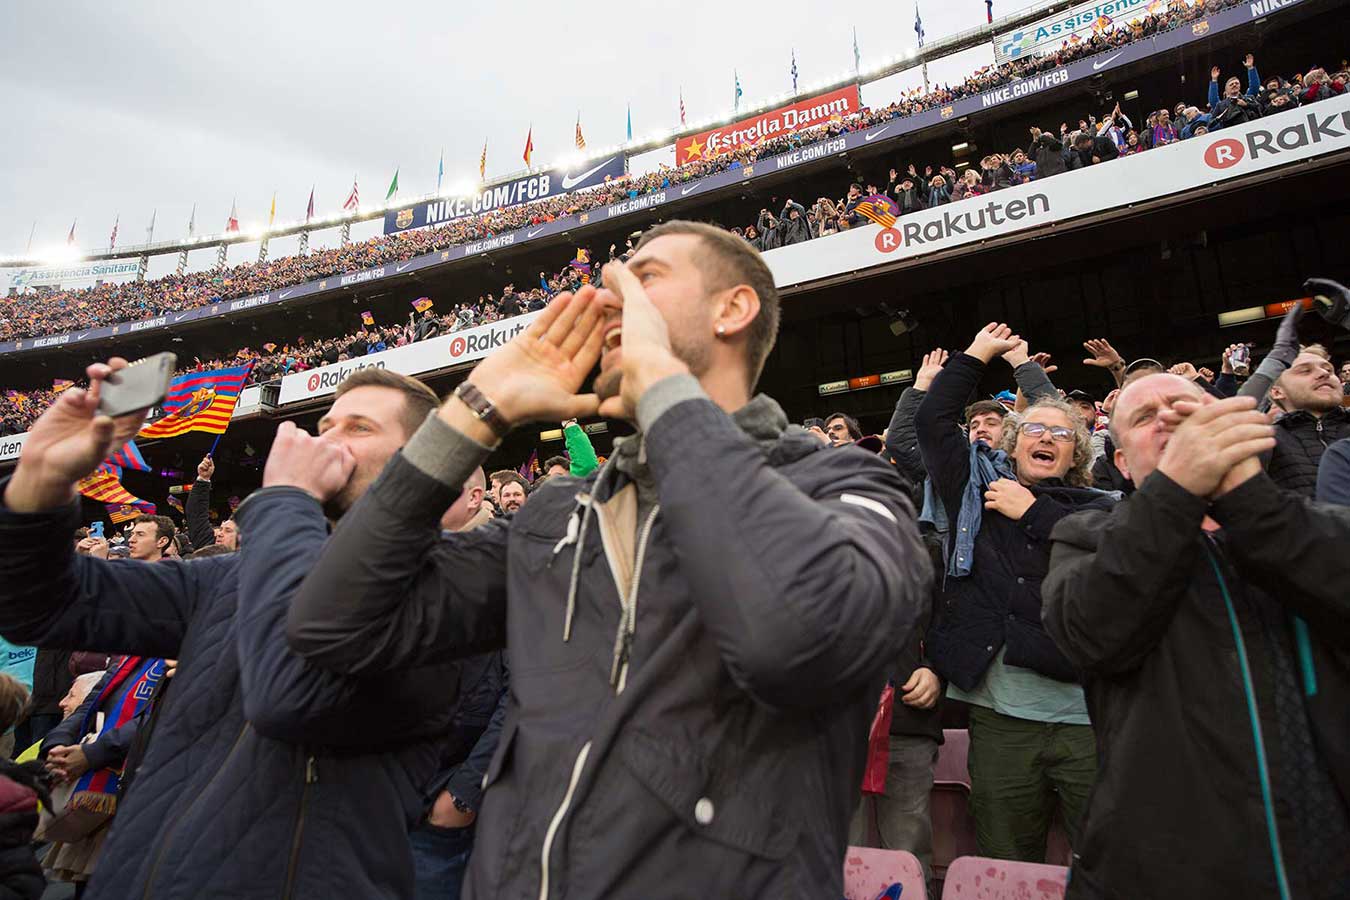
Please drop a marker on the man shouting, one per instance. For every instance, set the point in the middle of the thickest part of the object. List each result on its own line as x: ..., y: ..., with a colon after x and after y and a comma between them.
x: 692, y: 680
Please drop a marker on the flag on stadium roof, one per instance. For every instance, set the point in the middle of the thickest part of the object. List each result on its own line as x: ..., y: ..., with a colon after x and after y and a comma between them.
x: 150, y: 232
x: 989, y: 10
x: 580, y: 140
x: 857, y: 57
x: 309, y: 212
x: 199, y: 401
x: 393, y: 187
x: 482, y: 163
x: 529, y: 145
x: 112, y: 241
x: 272, y: 214
x: 630, y: 122
x: 440, y: 171
x: 918, y: 25
x: 129, y: 457
x: 794, y: 70
x: 878, y: 208
x: 353, y: 199
x: 233, y: 223
x: 192, y: 222
x: 70, y: 238
x: 737, y: 76
x: 681, y: 105
x: 422, y: 304
x: 367, y: 318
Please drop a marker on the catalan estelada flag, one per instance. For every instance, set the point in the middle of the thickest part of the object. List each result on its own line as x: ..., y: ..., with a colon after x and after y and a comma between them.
x: 199, y: 401
x: 880, y: 209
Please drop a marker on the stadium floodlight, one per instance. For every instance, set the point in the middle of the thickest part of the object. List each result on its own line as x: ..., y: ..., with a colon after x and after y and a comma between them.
x: 462, y: 187
x: 961, y: 147
x: 61, y: 254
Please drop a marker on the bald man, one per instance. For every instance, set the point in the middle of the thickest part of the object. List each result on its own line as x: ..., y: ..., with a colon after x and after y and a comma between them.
x: 1209, y: 615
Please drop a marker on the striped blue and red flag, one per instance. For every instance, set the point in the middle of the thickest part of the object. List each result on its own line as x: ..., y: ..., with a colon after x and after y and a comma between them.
x: 199, y: 401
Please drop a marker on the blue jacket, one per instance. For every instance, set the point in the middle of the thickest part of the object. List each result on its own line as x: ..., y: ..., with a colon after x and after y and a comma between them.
x: 1226, y: 112
x: 265, y: 777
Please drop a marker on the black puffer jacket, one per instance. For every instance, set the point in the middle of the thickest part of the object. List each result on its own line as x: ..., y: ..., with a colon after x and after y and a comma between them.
x: 710, y: 745
x: 999, y: 602
x: 265, y: 777
x: 1300, y: 440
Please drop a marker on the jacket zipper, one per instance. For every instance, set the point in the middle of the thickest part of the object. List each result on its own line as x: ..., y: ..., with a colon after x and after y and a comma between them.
x: 311, y: 777
x: 629, y: 624
x: 558, y: 816
x: 163, y: 845
x: 1258, y: 738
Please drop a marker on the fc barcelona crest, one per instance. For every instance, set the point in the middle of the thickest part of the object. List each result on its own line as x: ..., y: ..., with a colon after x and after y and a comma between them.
x: 1200, y: 28
x: 202, y: 398
x: 404, y: 218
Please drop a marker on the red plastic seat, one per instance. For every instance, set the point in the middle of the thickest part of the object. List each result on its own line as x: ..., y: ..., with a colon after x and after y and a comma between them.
x: 949, y: 802
x: 979, y: 878
x: 951, y: 763
x: 868, y: 872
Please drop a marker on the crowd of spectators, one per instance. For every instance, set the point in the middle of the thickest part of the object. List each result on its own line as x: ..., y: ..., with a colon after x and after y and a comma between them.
x: 1091, y: 142
x: 34, y: 313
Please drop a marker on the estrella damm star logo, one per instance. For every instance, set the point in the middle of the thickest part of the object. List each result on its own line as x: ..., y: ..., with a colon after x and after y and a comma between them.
x: 202, y: 398
x: 694, y: 150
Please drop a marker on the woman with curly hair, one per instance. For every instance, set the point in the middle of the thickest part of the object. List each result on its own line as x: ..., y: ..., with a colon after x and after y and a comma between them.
x: 1031, y: 744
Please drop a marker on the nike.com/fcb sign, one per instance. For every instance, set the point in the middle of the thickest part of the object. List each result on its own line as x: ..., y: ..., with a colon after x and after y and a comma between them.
x: 522, y: 190
x: 1049, y: 34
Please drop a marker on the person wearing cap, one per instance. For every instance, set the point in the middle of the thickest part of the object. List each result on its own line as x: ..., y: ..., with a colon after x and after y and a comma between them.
x: 1083, y: 402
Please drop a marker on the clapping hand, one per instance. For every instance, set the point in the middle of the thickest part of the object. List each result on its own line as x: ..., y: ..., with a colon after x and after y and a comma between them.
x: 1214, y: 444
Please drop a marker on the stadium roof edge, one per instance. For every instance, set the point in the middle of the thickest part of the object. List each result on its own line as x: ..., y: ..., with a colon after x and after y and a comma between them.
x: 936, y: 49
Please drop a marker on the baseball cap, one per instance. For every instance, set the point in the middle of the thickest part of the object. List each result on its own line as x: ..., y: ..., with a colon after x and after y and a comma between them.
x: 1082, y: 396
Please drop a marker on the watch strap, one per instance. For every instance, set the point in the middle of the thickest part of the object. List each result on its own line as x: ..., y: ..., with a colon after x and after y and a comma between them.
x: 483, y: 408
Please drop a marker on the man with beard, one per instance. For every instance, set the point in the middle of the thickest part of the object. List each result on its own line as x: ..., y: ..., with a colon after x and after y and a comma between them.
x: 692, y: 683
x: 261, y: 768
x: 1310, y: 395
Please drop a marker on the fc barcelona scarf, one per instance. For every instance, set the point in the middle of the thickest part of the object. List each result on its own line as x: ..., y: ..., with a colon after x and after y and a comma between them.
x: 135, y: 679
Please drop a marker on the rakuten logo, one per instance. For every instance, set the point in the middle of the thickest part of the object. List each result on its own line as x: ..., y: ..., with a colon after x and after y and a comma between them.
x: 955, y: 222
x: 473, y: 345
x: 333, y: 377
x: 1314, y: 129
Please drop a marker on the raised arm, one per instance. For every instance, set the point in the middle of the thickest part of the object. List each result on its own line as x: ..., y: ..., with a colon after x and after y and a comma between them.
x: 198, y: 508
x: 902, y: 440
x: 582, y: 460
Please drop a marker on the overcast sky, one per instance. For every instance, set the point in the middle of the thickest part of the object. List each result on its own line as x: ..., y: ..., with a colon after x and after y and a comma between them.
x: 139, y: 108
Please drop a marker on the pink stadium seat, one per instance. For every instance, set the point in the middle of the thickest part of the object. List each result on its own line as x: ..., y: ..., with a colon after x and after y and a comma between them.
x: 978, y: 878
x: 868, y: 872
x: 949, y: 803
x: 951, y: 764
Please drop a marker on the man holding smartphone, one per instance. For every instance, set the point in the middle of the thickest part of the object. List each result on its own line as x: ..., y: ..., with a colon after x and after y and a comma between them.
x: 264, y: 775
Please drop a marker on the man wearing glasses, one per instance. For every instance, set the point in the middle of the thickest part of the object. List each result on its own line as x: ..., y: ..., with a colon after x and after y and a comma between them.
x: 1031, y: 745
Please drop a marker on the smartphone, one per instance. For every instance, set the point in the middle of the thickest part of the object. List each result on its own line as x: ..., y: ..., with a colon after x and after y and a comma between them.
x: 140, y: 385
x: 96, y: 529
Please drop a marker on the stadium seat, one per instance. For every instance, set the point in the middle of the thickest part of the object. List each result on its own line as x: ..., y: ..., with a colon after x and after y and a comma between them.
x: 978, y: 878
x: 868, y: 872
x: 949, y: 802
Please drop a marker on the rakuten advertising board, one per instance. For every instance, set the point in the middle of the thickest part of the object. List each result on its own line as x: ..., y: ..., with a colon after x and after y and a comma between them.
x: 432, y: 355
x: 776, y: 122
x: 1230, y: 153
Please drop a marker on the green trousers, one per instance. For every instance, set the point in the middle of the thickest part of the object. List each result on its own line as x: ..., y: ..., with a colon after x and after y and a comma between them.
x: 1020, y: 772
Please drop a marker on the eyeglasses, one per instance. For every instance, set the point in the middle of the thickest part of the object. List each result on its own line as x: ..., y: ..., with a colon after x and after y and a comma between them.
x: 1057, y: 432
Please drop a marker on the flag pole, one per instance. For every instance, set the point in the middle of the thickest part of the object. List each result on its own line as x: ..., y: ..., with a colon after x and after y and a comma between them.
x: 214, y: 444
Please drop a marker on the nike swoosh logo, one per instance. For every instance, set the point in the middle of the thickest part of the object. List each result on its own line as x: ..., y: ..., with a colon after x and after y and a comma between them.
x: 570, y: 181
x: 532, y: 232
x: 400, y: 267
x: 81, y: 337
x: 686, y: 191
x: 1105, y: 62
x: 873, y: 135
x: 284, y: 294
x: 178, y: 317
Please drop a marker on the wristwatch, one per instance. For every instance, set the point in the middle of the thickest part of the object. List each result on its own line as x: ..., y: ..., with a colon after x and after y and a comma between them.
x: 460, y: 804
x: 482, y: 408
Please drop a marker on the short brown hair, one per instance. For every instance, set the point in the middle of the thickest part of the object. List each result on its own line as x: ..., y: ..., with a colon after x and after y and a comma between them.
x: 1316, y: 350
x: 980, y: 407
x: 506, y: 476
x: 418, y: 399
x: 728, y: 261
x: 164, y: 527
x: 14, y: 698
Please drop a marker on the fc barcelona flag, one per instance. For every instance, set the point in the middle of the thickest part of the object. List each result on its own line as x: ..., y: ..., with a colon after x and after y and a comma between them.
x: 126, y: 512
x: 129, y: 457
x: 422, y: 304
x: 879, y: 208
x: 103, y: 485
x: 199, y: 401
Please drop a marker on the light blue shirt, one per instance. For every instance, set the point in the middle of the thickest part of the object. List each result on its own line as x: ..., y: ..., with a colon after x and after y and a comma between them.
x: 1025, y: 694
